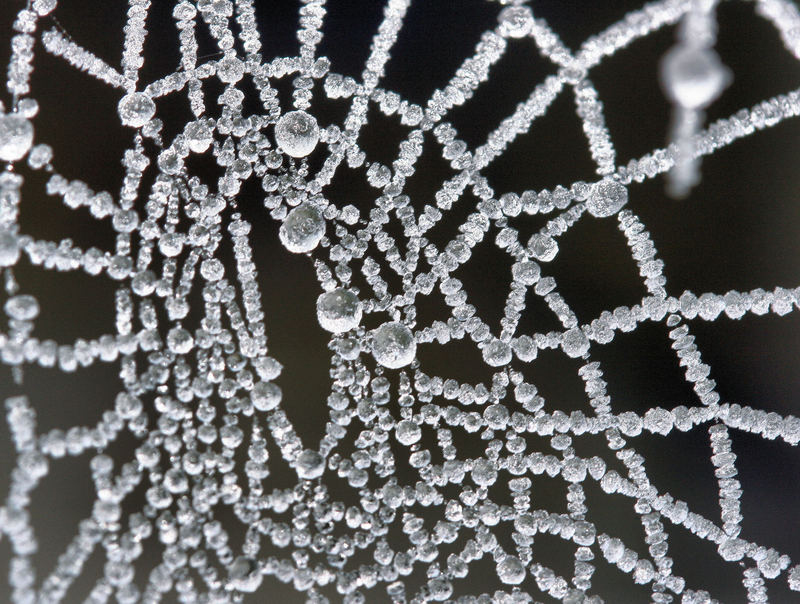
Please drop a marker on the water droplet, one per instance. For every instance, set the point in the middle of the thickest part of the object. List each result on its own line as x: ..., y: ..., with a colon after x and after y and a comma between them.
x: 543, y: 247
x: 310, y: 464
x: 198, y: 137
x: 9, y: 248
x: 244, y: 574
x: 575, y: 343
x: 338, y: 310
x: 393, y: 345
x: 16, y: 137
x: 732, y: 549
x: 136, y: 109
x: 266, y: 396
x: 22, y: 308
x: 497, y: 353
x: 606, y: 198
x: 179, y: 340
x: 171, y: 244
x: 516, y: 21
x: 407, y: 432
x: 511, y: 571
x: 302, y: 229
x: 230, y: 70
x: 693, y: 77
x: 483, y: 473
x: 297, y: 133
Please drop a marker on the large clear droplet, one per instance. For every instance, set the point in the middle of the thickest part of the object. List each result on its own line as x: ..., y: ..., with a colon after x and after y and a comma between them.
x: 543, y: 247
x: 302, y: 229
x: 393, y: 345
x: 693, y: 77
x: 310, y: 464
x: 606, y: 198
x: 297, y: 133
x: 338, y: 310
x: 198, y: 137
x: 497, y: 353
x: 16, y: 137
x: 136, y: 109
x: 407, y: 432
x: 511, y: 571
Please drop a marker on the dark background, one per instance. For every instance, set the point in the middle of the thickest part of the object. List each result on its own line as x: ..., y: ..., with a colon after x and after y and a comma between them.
x: 737, y: 230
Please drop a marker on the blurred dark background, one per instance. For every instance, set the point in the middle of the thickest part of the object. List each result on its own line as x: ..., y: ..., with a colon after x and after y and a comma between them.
x: 738, y: 230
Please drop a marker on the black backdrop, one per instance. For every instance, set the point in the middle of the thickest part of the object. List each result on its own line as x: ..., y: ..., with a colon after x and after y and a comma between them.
x: 737, y: 230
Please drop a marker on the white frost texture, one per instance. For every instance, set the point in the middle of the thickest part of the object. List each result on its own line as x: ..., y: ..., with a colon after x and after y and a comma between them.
x: 422, y: 487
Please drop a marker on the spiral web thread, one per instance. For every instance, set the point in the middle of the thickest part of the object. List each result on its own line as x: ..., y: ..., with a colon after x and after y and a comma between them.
x: 174, y: 377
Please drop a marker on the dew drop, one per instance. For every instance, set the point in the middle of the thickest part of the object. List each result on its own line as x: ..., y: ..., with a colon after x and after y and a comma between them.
x: 16, y: 137
x: 511, y: 571
x: 266, y: 396
x: 198, y: 137
x: 606, y: 198
x: 483, y: 473
x: 179, y: 340
x: 575, y: 343
x: 22, y: 308
x: 297, y: 133
x: 136, y: 109
x: 497, y: 353
x: 338, y: 310
x: 302, y: 229
x: 693, y: 77
x: 543, y: 247
x: 393, y: 345
x: 310, y: 464
x: 9, y: 248
x: 407, y: 432
x: 516, y: 21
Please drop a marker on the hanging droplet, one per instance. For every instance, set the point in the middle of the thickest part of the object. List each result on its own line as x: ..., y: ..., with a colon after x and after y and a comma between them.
x: 338, y: 310
x: 198, y: 136
x: 265, y: 396
x: 136, y: 109
x: 393, y: 345
x: 310, y: 464
x: 693, y: 77
x: 543, y: 247
x: 297, y: 133
x: 606, y: 198
x: 302, y: 229
x: 497, y: 353
x: 16, y: 137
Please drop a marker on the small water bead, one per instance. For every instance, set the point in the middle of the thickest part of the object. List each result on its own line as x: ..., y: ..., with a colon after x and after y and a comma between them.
x: 179, y: 340
x: 198, y: 136
x: 297, y: 133
x: 230, y: 70
x: 543, y: 247
x: 693, y: 77
x: 407, y: 432
x: 171, y: 244
x: 575, y: 343
x: 244, y: 574
x: 607, y: 197
x: 136, y: 109
x: 511, y: 571
x: 16, y: 137
x: 339, y: 310
x: 22, y: 308
x: 9, y: 248
x: 303, y: 229
x: 732, y: 549
x: 393, y: 345
x: 310, y: 464
x: 526, y: 272
x: 516, y: 21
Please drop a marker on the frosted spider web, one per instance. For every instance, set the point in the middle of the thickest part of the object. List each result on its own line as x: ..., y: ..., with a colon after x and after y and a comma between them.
x: 204, y: 403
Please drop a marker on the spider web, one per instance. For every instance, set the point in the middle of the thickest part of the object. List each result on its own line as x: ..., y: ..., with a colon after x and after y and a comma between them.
x: 419, y: 479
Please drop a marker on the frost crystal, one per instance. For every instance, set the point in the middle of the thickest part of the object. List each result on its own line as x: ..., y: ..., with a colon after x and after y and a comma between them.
x: 417, y: 477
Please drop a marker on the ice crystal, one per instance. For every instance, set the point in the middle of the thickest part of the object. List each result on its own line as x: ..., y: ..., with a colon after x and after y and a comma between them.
x: 201, y: 397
